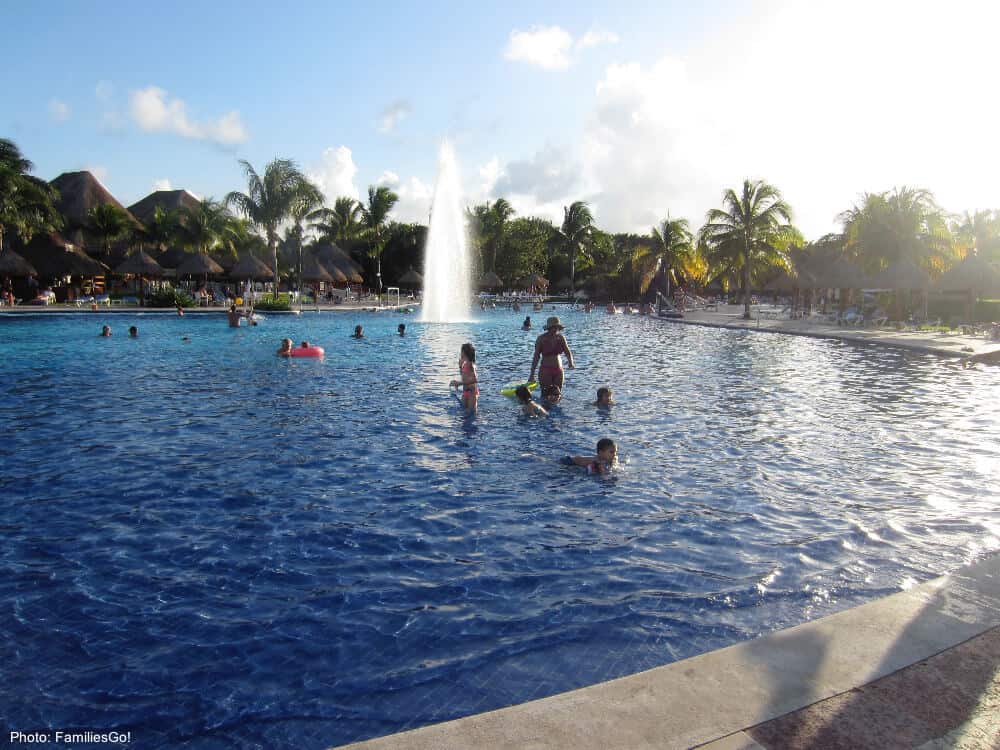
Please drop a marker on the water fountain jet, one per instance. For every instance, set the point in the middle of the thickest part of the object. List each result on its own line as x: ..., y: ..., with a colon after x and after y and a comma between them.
x: 446, y: 262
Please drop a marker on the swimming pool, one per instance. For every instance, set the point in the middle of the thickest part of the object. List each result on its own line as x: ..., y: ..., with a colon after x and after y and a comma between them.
x: 213, y: 547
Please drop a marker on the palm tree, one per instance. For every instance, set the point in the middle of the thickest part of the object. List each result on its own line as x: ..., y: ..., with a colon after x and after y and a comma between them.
x: 163, y: 228
x: 307, y: 206
x: 374, y: 217
x: 110, y: 223
x: 269, y: 200
x: 499, y: 214
x: 27, y: 204
x: 905, y: 223
x: 979, y: 230
x: 674, y: 245
x: 477, y: 221
x: 750, y: 229
x: 237, y: 238
x: 575, y: 233
x: 341, y: 223
x: 202, y: 227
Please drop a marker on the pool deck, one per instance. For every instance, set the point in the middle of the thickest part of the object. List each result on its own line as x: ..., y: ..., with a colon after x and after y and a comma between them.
x: 917, y: 669
x: 946, y: 344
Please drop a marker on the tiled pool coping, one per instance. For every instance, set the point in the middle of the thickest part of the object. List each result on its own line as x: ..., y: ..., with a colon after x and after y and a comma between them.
x: 713, y: 697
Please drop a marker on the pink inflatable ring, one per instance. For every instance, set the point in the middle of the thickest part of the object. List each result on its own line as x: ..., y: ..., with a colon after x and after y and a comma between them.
x: 308, y: 351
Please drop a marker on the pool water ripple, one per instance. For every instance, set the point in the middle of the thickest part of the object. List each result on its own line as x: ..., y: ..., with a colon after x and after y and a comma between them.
x: 216, y: 548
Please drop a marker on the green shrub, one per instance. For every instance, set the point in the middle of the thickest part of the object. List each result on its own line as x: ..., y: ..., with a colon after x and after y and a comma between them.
x: 170, y: 298
x: 269, y: 304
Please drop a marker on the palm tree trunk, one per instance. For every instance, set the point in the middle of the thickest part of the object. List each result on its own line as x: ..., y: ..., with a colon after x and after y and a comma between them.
x: 746, y: 281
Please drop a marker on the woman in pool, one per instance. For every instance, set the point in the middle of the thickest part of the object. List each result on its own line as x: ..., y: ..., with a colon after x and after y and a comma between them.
x: 133, y: 332
x: 401, y: 328
x: 469, y: 377
x: 286, y: 348
x: 359, y: 332
x: 526, y: 326
x: 548, y: 347
x: 105, y: 331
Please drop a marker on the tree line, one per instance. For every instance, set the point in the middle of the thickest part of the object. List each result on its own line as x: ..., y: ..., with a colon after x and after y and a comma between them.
x: 749, y: 239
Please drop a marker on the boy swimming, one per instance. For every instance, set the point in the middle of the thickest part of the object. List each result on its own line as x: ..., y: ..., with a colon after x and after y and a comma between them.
x: 604, y: 397
x: 602, y: 463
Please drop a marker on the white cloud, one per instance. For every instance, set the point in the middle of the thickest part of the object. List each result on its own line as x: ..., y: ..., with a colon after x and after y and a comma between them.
x: 820, y: 125
x: 162, y: 184
x: 553, y: 174
x: 391, y: 116
x: 595, y: 38
x: 104, y: 91
x: 414, y: 200
x: 388, y: 178
x: 335, y: 173
x: 154, y: 111
x: 548, y: 47
x: 58, y: 110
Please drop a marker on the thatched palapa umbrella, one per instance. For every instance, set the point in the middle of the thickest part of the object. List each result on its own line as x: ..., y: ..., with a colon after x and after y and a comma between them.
x: 971, y: 275
x: 250, y: 268
x: 12, y: 264
x: 172, y: 257
x: 490, y: 281
x: 411, y: 279
x: 313, y: 270
x: 199, y: 264
x: 903, y: 275
x: 141, y: 265
x: 537, y: 280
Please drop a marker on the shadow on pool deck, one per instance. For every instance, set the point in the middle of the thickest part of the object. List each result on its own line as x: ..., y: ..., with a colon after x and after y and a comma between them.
x: 751, y: 694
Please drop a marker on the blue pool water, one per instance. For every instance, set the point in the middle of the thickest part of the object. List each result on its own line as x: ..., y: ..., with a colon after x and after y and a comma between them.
x: 216, y: 548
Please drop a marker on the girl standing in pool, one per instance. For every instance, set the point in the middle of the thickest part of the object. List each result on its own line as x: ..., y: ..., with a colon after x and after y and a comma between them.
x: 469, y: 377
x: 548, y: 347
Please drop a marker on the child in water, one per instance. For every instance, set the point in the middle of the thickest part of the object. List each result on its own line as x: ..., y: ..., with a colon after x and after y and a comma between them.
x: 359, y: 332
x: 528, y: 405
x: 602, y: 463
x: 133, y: 332
x: 469, y: 377
x: 604, y: 397
x: 286, y: 348
x: 105, y: 331
x: 402, y: 329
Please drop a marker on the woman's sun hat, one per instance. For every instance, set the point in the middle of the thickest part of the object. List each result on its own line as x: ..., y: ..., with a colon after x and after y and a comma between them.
x: 553, y: 322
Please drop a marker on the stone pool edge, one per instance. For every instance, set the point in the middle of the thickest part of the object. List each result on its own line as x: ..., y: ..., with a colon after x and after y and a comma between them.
x: 715, y: 695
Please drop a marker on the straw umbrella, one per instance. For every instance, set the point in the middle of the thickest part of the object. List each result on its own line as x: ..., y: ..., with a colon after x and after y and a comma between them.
x: 971, y: 275
x: 12, y: 264
x: 172, y: 257
x: 199, y: 264
x: 490, y: 281
x: 904, y: 274
x: 141, y: 265
x: 250, y: 268
x: 411, y: 278
x: 537, y: 280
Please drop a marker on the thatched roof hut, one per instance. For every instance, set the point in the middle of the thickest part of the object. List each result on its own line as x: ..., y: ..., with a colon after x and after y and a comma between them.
x: 313, y: 270
x: 79, y: 192
x: 12, y: 264
x: 490, y: 281
x: 53, y: 255
x: 168, y: 200
x: 140, y: 264
x: 331, y: 256
x: 172, y: 257
x: 411, y: 279
x: 249, y: 267
x: 199, y: 264
x: 971, y: 274
x: 903, y: 274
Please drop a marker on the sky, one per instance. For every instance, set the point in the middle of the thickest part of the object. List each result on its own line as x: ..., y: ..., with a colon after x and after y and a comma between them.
x: 642, y: 109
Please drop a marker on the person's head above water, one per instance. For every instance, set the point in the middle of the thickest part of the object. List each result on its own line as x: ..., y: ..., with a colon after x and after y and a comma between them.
x: 607, y: 451
x: 133, y: 332
x: 106, y: 331
x: 359, y: 332
x: 523, y: 394
x: 286, y: 345
x: 402, y: 329
x: 604, y: 395
x: 469, y: 352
